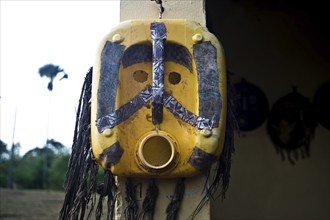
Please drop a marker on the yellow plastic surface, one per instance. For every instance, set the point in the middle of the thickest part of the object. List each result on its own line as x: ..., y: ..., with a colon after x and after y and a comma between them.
x: 182, y: 136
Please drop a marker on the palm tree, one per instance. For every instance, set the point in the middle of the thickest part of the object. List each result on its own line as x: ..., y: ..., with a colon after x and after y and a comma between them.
x: 13, y: 152
x: 51, y: 71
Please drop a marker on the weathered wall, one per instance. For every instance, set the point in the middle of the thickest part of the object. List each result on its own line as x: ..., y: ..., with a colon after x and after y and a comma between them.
x: 146, y: 9
x: 270, y: 49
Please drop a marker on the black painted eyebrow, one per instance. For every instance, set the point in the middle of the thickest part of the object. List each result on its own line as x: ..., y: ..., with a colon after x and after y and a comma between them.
x: 139, y: 53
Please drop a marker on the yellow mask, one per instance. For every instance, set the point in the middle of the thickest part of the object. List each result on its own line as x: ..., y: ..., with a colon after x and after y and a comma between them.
x: 159, y: 99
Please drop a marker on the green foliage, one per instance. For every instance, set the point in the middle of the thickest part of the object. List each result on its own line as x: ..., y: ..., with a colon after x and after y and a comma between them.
x: 3, y: 172
x: 4, y: 155
x: 29, y: 170
x: 100, y: 175
x: 57, y: 171
x: 3, y: 150
x: 56, y: 146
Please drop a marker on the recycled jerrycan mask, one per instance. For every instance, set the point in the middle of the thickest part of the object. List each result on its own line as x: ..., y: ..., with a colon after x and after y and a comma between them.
x: 158, y: 99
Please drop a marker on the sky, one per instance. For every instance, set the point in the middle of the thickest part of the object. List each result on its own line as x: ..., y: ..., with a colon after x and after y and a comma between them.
x: 35, y: 33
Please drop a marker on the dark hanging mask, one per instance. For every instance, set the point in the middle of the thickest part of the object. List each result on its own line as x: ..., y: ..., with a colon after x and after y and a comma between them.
x: 253, y: 107
x: 291, y: 125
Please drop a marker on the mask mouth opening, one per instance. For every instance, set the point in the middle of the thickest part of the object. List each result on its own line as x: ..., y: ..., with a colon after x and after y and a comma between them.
x: 156, y: 152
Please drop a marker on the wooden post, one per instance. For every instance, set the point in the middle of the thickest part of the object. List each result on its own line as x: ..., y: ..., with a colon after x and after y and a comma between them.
x: 194, y: 186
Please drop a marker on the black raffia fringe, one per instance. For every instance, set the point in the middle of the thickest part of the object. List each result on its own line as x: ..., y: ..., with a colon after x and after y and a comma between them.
x: 223, y: 165
x: 222, y: 175
x: 112, y: 195
x: 173, y: 207
x: 80, y: 181
x: 106, y: 189
x: 149, y: 201
x: 131, y: 211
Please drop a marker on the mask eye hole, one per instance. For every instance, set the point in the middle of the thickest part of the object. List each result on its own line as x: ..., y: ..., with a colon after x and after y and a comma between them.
x: 140, y: 76
x: 174, y: 78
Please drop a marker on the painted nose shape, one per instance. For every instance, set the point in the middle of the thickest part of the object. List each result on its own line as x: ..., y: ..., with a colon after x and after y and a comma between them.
x: 158, y: 35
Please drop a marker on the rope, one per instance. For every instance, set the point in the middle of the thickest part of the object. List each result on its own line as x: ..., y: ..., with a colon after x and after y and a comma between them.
x: 161, y: 8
